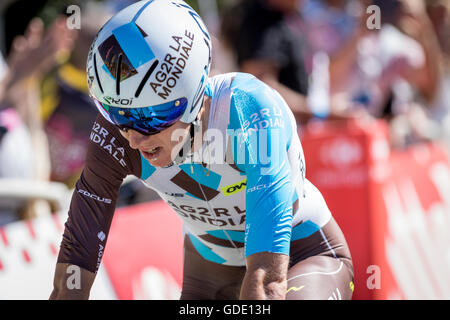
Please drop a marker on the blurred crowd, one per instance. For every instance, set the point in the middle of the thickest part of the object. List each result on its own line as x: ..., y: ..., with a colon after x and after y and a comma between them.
x: 338, y: 59
x: 332, y: 60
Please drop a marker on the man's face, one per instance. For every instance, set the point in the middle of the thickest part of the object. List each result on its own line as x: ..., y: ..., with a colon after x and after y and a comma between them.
x: 158, y: 149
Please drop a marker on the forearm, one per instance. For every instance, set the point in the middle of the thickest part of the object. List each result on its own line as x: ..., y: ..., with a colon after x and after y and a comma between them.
x: 343, y: 60
x: 416, y: 24
x: 71, y: 282
x: 431, y: 72
x: 266, y: 277
x: 257, y: 286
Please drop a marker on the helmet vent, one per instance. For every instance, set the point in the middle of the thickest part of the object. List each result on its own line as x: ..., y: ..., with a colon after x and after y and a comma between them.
x: 118, y: 73
x: 146, y: 76
x: 96, y: 73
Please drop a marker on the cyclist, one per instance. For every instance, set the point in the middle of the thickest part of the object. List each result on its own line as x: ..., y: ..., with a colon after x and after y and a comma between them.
x: 223, y: 152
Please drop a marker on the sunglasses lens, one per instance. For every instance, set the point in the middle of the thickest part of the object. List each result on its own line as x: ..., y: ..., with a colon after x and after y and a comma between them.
x: 145, y: 120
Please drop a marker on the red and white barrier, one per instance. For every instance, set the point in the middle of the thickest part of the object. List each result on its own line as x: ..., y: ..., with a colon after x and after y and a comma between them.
x: 144, y: 254
x: 142, y: 260
x: 28, y: 252
x: 393, y: 206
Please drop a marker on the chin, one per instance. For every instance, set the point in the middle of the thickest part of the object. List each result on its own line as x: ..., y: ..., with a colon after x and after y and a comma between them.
x: 161, y: 162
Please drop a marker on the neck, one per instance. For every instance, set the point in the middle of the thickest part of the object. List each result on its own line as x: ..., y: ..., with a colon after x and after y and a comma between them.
x: 203, y: 118
x: 195, y: 141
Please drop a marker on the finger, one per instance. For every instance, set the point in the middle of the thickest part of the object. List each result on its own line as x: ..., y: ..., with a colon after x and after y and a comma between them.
x: 19, y: 44
x: 59, y: 35
x: 59, y: 25
x: 63, y: 41
x: 34, y: 32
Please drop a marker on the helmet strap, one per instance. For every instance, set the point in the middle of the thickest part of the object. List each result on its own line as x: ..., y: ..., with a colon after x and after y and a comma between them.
x: 185, y: 151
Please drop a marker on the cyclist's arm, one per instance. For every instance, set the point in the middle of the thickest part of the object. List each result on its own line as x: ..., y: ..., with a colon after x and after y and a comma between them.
x: 266, y: 277
x: 269, y: 190
x: 109, y: 159
x: 269, y: 199
x: 67, y: 287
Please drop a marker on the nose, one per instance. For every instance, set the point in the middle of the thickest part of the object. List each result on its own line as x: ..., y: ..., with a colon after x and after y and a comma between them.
x: 135, y: 139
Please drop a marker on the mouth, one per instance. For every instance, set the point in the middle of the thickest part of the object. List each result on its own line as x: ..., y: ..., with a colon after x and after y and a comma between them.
x: 152, y: 154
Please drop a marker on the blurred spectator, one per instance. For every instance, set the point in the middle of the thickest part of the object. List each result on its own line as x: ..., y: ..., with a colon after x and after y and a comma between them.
x: 31, y: 56
x: 15, y: 20
x: 439, y: 111
x: 3, y: 67
x: 327, y: 25
x: 45, y: 89
x: 439, y: 13
x: 23, y: 144
x: 388, y: 72
x: 414, y: 83
x: 336, y: 27
x: 67, y: 110
x: 269, y: 42
x: 16, y: 160
x: 260, y: 34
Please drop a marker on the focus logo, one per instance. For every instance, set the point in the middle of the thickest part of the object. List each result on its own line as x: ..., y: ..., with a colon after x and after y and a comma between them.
x: 94, y: 196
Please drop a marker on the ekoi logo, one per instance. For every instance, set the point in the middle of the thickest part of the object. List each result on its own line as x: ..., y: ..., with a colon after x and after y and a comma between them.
x: 234, y: 188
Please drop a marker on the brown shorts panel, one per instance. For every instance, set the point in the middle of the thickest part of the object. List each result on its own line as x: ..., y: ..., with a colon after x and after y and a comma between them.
x: 320, y: 265
x: 207, y: 280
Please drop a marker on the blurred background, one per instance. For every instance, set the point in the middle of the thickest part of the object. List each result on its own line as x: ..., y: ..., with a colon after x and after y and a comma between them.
x: 368, y: 82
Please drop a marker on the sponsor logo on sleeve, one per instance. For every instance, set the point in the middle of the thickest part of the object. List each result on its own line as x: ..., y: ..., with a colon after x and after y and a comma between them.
x: 108, y: 142
x: 94, y: 196
x: 101, y: 235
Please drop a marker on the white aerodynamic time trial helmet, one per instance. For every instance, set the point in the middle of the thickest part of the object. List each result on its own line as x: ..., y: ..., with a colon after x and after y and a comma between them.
x: 148, y: 66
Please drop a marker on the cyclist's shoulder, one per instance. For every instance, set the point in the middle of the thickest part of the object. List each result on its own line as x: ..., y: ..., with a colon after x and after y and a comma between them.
x: 233, y: 83
x: 254, y: 104
x: 250, y: 94
x: 219, y: 85
x: 247, y: 85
